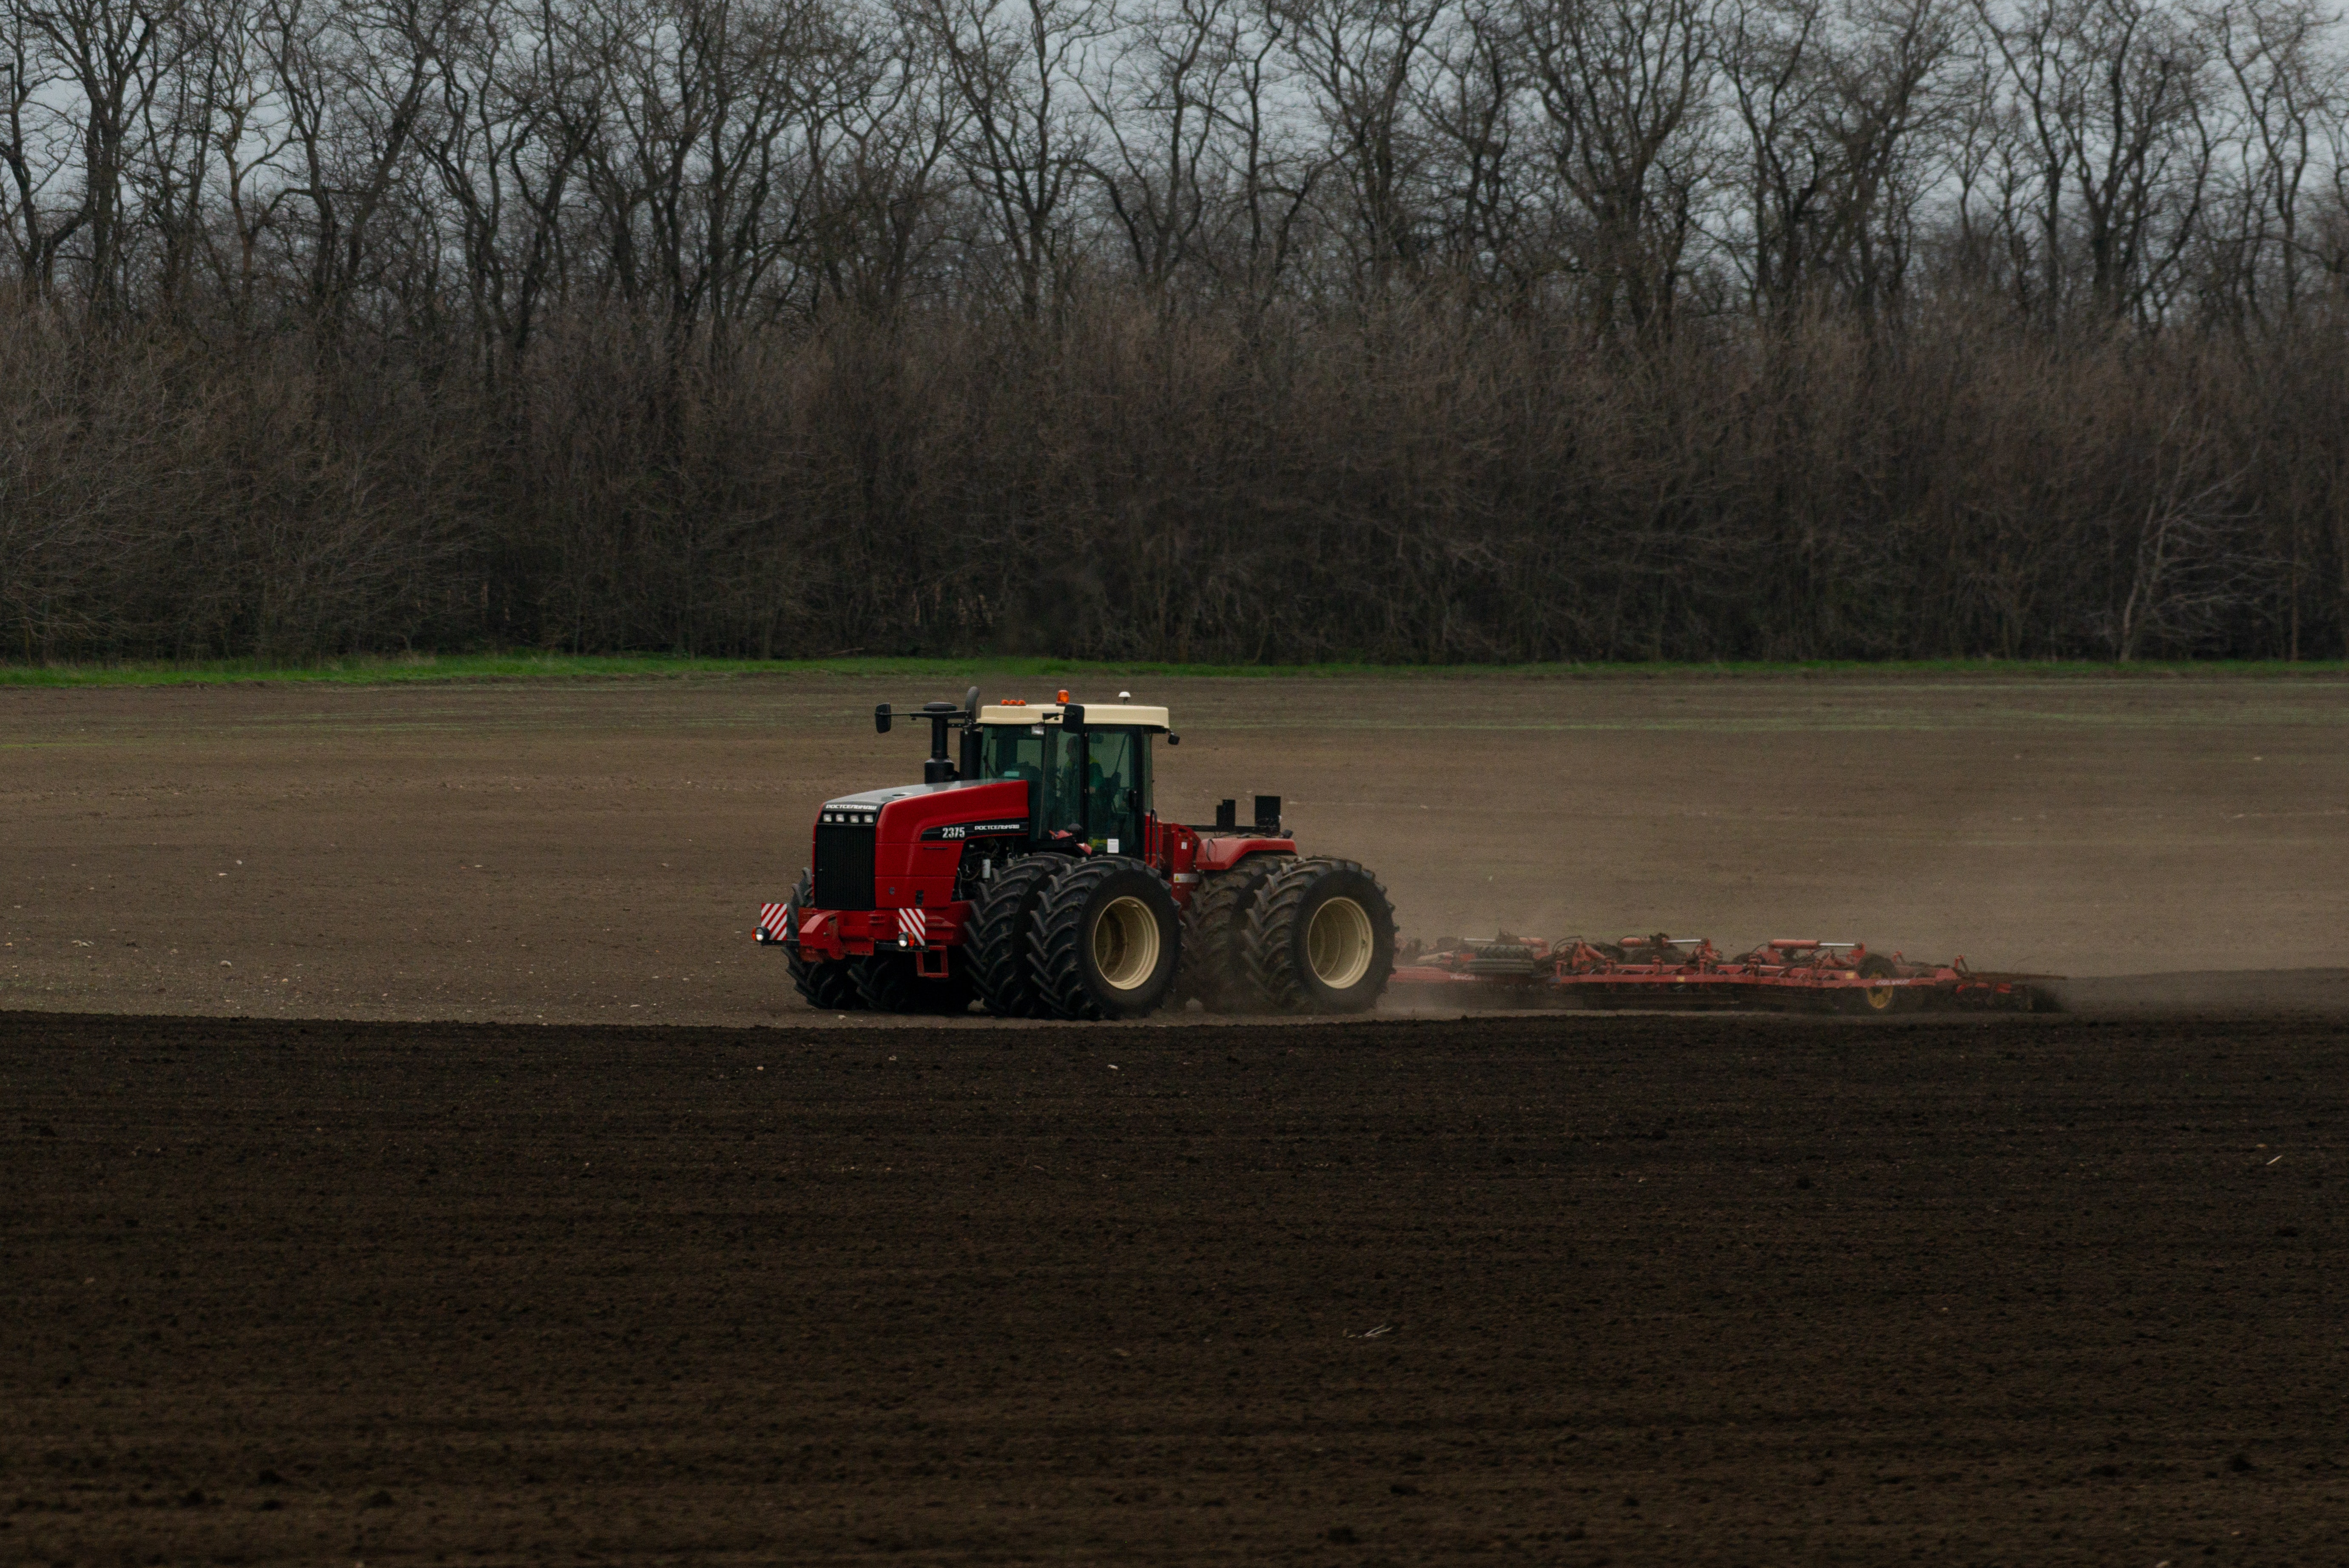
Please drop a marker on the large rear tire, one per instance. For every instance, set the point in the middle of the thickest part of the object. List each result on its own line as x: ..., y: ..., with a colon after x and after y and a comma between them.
x: 1321, y: 939
x: 828, y: 984
x: 1001, y: 969
x: 1215, y: 932
x: 1106, y: 940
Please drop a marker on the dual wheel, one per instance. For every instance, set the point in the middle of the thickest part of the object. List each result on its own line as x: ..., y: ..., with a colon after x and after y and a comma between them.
x: 1100, y: 938
x: 1054, y: 937
x: 1285, y: 934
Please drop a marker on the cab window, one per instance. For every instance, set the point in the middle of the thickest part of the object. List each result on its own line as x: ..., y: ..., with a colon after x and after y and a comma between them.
x: 1014, y: 752
x: 1114, y: 792
x: 1101, y: 777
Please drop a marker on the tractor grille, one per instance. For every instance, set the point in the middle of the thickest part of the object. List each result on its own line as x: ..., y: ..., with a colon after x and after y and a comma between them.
x: 844, y: 867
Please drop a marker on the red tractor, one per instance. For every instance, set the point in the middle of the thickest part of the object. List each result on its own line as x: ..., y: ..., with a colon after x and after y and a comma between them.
x: 1034, y: 876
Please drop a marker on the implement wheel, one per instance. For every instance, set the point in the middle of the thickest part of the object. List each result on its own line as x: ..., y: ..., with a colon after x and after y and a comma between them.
x: 1321, y: 939
x: 1000, y: 921
x: 1877, y: 1001
x: 1105, y: 940
x: 828, y: 984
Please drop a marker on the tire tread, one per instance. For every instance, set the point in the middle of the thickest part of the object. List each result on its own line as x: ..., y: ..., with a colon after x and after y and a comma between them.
x: 1000, y: 967
x: 1268, y: 949
x: 828, y: 985
x: 1215, y: 933
x: 1057, y: 935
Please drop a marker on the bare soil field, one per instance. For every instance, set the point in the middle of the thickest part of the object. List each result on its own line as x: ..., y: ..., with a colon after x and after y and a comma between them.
x: 1555, y: 1290
x: 596, y: 851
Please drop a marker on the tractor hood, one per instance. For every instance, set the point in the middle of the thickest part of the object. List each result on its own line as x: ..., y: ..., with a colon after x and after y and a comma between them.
x: 866, y: 805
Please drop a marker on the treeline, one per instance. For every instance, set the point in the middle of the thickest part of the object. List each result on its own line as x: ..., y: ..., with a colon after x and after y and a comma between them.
x: 1232, y: 329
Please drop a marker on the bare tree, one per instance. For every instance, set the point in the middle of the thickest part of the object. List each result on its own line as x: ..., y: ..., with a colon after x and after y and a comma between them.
x: 1269, y: 178
x: 873, y: 220
x: 45, y: 204
x: 2182, y: 572
x: 1476, y: 106
x: 112, y: 52
x: 356, y: 87
x: 1154, y: 108
x: 2112, y: 97
x: 2286, y: 87
x: 1626, y: 87
x: 1025, y: 137
x: 1224, y: 328
x: 1367, y: 63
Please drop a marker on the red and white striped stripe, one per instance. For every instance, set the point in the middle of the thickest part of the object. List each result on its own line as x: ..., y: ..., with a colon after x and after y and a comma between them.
x: 776, y: 925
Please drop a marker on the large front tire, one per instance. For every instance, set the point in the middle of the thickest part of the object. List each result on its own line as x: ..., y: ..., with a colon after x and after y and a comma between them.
x: 1001, y: 966
x: 828, y: 984
x: 1106, y: 940
x: 1321, y: 939
x: 890, y: 983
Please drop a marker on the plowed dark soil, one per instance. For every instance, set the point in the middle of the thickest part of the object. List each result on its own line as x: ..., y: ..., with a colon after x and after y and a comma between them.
x: 1558, y: 1290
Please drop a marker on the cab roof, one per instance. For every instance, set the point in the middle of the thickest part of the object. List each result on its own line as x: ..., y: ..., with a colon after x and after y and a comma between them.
x: 1098, y: 716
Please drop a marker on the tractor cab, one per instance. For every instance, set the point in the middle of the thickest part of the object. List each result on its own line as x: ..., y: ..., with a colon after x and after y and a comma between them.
x: 1087, y: 769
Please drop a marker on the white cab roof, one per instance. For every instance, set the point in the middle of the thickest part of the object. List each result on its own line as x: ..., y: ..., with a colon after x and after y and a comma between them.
x: 1098, y: 716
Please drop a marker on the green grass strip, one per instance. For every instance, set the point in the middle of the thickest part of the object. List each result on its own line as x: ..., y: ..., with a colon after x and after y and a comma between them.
x: 498, y: 667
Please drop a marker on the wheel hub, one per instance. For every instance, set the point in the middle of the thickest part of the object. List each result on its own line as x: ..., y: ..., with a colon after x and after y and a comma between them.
x: 1125, y: 944
x: 1339, y: 943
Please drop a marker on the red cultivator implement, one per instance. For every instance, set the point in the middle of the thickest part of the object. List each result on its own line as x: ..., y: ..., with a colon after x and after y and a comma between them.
x: 1688, y: 972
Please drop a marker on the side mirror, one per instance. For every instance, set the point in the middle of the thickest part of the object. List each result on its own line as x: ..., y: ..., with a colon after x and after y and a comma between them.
x: 881, y: 719
x: 1072, y: 716
x: 1172, y: 739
